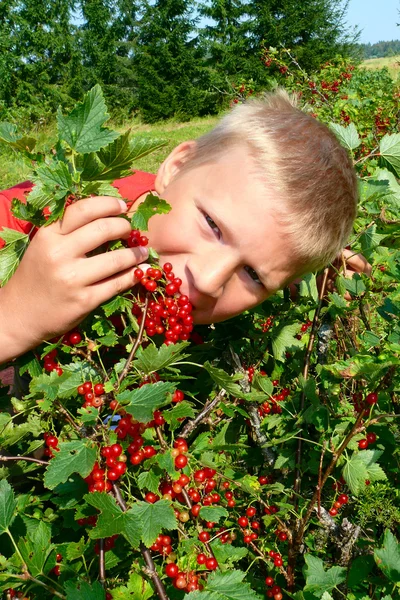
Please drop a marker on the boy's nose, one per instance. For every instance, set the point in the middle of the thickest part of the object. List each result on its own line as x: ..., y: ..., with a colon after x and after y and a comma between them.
x: 210, y: 274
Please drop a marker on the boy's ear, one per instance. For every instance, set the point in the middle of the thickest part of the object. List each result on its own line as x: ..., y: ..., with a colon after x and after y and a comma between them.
x: 173, y: 164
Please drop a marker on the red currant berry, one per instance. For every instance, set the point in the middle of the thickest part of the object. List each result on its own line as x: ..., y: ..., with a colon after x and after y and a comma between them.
x: 211, y: 563
x: 201, y: 559
x: 172, y: 570
x: 52, y: 441
x: 204, y: 536
x: 98, y: 389
x: 181, y: 461
x: 371, y: 437
x: 343, y: 499
x: 333, y: 512
x: 372, y: 398
x: 363, y: 444
x: 243, y: 521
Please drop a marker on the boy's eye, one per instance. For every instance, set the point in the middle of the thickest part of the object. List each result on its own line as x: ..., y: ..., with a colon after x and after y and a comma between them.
x: 253, y: 274
x: 212, y: 225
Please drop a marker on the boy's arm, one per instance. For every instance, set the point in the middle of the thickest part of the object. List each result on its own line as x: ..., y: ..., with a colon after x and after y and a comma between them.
x: 56, y: 284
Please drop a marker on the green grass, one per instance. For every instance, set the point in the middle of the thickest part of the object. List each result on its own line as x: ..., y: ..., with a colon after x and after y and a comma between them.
x: 14, y: 169
x: 391, y: 62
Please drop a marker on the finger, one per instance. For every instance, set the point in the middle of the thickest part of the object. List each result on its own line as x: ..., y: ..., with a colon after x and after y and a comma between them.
x: 106, y: 289
x: 103, y: 266
x: 91, y: 236
x: 85, y: 211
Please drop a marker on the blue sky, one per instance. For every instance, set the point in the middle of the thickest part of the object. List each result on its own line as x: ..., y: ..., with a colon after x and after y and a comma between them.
x: 377, y: 19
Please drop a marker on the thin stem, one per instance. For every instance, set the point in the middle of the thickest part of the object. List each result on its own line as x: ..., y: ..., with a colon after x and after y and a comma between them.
x: 26, y: 458
x: 24, y: 567
x: 137, y: 343
x: 102, y: 564
x: 150, y: 567
x: 297, y: 478
x: 203, y: 414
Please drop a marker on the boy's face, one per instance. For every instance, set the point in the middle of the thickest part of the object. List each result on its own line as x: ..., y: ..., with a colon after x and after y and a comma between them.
x: 221, y: 235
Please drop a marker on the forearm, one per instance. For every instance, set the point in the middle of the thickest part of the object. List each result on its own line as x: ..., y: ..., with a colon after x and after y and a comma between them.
x: 15, y: 337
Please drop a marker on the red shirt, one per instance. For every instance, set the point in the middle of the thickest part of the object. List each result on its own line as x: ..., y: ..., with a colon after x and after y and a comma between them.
x: 130, y: 188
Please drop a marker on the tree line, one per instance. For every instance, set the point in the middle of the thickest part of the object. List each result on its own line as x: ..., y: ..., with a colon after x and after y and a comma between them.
x: 156, y: 58
x: 380, y: 49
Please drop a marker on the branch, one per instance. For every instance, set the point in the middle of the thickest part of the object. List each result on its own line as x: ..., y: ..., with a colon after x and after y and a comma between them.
x: 260, y: 437
x: 26, y: 458
x: 297, y: 478
x: 102, y: 564
x: 202, y: 415
x: 137, y: 343
x: 150, y: 566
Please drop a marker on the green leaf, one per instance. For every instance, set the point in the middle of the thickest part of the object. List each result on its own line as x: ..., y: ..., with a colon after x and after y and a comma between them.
x: 154, y: 359
x: 369, y: 239
x: 77, y: 549
x: 347, y: 136
x: 153, y: 205
x: 179, y: 411
x: 213, y: 513
x: 225, y: 586
x: 82, y: 590
x: 37, y: 548
x: 284, y: 340
x: 227, y: 553
x: 54, y: 177
x: 137, y: 588
x: 116, y: 304
x: 354, y: 285
x: 8, y: 134
x: 83, y: 128
x: 28, y: 363
x: 390, y: 151
x: 318, y: 580
x: 223, y: 380
x: 147, y: 480
x: 308, y: 287
x: 145, y: 400
x: 77, y: 456
x: 361, y: 466
x: 111, y: 520
x: 7, y: 505
x: 166, y: 462
x: 45, y: 385
x: 153, y: 518
x: 388, y: 557
x: 12, y: 252
x: 74, y: 374
x: 142, y: 146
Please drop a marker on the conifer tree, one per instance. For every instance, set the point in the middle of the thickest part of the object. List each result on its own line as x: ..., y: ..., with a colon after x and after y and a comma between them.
x: 171, y: 79
x: 315, y: 30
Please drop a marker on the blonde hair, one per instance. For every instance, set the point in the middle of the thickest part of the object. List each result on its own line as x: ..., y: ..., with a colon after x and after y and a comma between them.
x: 303, y: 160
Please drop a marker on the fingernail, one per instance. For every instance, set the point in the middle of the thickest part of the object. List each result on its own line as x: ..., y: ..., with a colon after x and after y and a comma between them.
x: 143, y: 251
x: 123, y: 205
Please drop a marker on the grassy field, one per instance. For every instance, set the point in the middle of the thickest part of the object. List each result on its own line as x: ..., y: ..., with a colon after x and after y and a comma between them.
x: 391, y: 62
x: 13, y: 169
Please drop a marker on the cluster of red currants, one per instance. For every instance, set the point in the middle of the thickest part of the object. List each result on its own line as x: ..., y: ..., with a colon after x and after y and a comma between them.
x: 169, y: 313
x: 56, y: 570
x: 100, y: 479
x: 337, y: 505
x: 181, y: 580
x: 137, y: 239
x: 109, y: 544
x: 305, y: 326
x: 71, y: 338
x: 267, y: 324
x: 273, y: 405
x: 275, y: 592
x: 360, y: 405
x: 243, y: 521
x: 276, y: 557
x: 51, y: 442
x: 93, y: 394
x: 281, y: 535
x: 369, y: 439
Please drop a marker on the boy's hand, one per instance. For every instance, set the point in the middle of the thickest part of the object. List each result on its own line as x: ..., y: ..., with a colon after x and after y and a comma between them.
x: 349, y: 263
x: 57, y: 284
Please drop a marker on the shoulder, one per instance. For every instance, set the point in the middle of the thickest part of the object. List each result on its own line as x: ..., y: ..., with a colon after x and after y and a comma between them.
x: 135, y: 185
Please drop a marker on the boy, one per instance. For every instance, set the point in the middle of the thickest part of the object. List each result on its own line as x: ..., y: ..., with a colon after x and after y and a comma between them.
x: 265, y: 197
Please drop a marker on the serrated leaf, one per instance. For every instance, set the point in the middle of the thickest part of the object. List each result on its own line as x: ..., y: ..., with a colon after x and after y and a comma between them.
x: 284, y: 340
x: 45, y: 385
x: 389, y: 149
x: 74, y: 374
x: 179, y: 411
x: 388, y: 557
x: 11, y: 254
x: 153, y: 205
x: 83, y: 128
x: 77, y: 456
x: 111, y: 519
x: 213, y: 513
x: 116, y: 304
x: 147, y: 480
x: 143, y: 401
x: 370, y: 239
x: 37, y: 548
x: 154, y: 359
x: 225, y: 586
x: 7, y: 505
x: 77, y: 549
x: 227, y: 552
x: 137, y: 588
x: 82, y: 590
x: 318, y: 580
x: 166, y: 462
x: 224, y: 380
x: 28, y: 363
x: 360, y: 467
x: 153, y: 518
x: 347, y: 136
x: 8, y: 134
x: 308, y: 287
x: 55, y: 178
